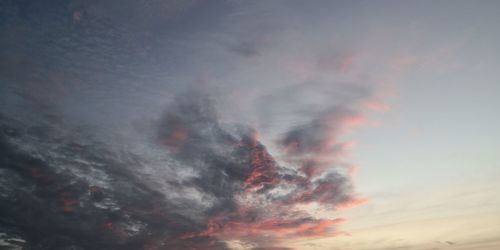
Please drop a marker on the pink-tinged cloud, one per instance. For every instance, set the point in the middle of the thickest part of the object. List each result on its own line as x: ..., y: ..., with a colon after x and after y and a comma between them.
x: 247, y: 224
x: 175, y: 138
x: 263, y: 168
x: 315, y: 146
x: 353, y: 202
x: 258, y: 198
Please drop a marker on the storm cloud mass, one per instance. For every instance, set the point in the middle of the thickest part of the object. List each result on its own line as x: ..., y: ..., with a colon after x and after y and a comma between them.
x: 118, y: 131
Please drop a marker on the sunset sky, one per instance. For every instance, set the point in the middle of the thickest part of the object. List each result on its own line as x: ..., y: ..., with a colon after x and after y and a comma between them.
x: 338, y: 125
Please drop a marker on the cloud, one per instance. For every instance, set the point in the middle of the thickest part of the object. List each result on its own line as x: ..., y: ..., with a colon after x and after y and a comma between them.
x: 220, y: 183
x: 317, y: 152
x: 248, y: 182
x: 319, y: 135
x: 68, y: 191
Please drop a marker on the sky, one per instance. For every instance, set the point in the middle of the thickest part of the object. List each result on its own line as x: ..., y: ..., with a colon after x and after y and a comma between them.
x: 189, y: 124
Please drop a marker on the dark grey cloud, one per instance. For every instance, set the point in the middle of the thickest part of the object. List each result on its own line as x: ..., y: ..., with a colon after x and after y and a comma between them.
x: 59, y: 193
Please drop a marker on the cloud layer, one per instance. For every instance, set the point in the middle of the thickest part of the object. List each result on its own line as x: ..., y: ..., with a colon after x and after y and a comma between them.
x: 220, y: 184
